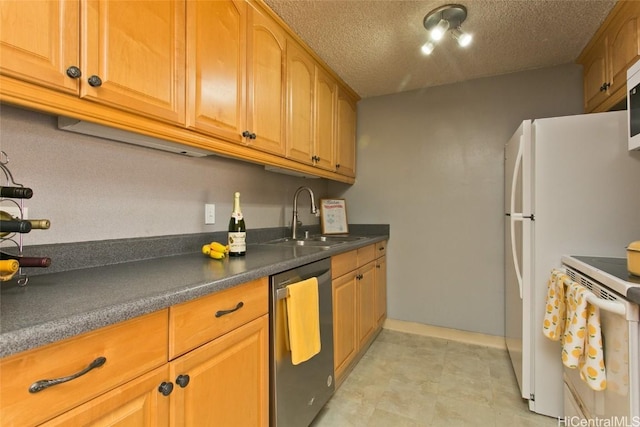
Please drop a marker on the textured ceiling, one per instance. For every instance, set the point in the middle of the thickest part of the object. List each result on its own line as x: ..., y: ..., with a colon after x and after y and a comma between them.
x: 374, y: 46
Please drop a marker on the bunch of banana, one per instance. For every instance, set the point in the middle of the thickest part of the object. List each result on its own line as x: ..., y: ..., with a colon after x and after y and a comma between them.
x: 215, y: 250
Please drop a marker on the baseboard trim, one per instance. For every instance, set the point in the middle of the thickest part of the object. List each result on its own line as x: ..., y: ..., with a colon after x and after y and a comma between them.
x: 476, y: 338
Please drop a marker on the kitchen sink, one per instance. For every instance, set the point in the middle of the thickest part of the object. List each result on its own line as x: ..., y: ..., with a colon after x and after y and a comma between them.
x: 321, y: 242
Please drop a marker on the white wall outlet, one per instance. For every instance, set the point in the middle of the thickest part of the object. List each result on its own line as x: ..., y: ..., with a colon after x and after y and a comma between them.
x: 15, y: 211
x: 209, y: 213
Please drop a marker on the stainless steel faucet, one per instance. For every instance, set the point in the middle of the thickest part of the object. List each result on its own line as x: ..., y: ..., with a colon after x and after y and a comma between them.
x: 294, y: 221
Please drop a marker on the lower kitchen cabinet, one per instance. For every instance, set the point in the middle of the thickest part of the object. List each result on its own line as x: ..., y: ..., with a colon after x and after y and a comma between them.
x: 28, y: 396
x: 201, y: 363
x: 225, y: 382
x: 359, y: 303
x: 136, y: 404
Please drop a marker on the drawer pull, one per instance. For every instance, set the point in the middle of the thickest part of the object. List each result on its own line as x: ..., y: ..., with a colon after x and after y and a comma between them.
x: 221, y: 313
x: 42, y: 384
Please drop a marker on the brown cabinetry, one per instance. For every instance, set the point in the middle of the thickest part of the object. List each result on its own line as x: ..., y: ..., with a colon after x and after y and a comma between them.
x: 127, y: 55
x: 211, y: 75
x: 125, y: 357
x: 346, y: 135
x: 605, y: 60
x: 356, y: 305
x: 204, y: 362
x: 311, y: 107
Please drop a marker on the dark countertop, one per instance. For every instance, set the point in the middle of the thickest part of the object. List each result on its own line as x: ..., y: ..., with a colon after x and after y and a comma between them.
x: 59, y: 305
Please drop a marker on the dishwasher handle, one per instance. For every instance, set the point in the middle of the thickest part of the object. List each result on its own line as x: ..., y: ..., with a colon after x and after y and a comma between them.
x: 282, y: 292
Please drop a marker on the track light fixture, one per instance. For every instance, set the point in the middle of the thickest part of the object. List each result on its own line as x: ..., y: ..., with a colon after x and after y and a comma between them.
x: 442, y: 19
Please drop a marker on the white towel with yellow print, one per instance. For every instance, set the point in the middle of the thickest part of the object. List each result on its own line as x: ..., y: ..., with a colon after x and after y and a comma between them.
x: 582, y: 338
x: 554, y: 316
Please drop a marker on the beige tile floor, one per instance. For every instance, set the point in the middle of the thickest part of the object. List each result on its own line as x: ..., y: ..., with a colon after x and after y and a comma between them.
x: 412, y: 380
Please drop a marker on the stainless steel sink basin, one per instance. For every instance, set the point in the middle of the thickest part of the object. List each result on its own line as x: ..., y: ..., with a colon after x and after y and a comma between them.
x: 320, y: 242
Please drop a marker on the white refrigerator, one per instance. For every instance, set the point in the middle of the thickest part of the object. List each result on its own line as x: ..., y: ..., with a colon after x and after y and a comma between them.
x: 571, y: 188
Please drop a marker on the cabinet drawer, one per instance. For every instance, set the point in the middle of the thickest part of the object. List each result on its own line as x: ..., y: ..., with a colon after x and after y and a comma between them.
x: 381, y: 249
x: 366, y: 255
x: 194, y: 323
x: 343, y: 263
x: 131, y: 348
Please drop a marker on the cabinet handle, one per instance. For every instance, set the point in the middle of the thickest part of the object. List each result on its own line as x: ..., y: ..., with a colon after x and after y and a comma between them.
x: 183, y: 380
x: 337, y: 165
x: 246, y: 134
x: 74, y: 72
x: 253, y: 136
x: 42, y: 384
x: 95, y: 81
x: 377, y: 265
x: 221, y: 313
x: 381, y: 248
x: 165, y: 388
x: 604, y: 87
x: 359, y: 276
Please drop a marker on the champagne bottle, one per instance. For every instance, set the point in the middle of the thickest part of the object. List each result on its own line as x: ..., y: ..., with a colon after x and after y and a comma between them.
x: 8, y: 269
x: 16, y: 192
x: 237, y: 230
x: 39, y: 224
x: 27, y: 261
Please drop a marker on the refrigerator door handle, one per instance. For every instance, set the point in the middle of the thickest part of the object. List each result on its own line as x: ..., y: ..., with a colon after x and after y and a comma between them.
x: 515, y: 216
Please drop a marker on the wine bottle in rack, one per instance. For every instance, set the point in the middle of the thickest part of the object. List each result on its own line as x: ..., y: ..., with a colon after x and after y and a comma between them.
x: 27, y: 261
x: 8, y: 268
x: 237, y: 230
x: 16, y: 192
x: 11, y: 224
x: 39, y: 224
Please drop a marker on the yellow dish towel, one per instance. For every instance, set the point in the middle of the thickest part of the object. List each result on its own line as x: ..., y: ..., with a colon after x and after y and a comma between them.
x: 582, y: 339
x: 554, y: 316
x: 303, y: 318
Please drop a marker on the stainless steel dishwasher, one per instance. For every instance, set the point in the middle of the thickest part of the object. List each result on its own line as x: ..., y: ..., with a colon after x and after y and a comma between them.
x: 298, y: 392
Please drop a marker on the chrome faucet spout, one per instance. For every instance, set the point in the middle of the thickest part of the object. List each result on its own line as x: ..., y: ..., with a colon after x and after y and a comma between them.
x: 294, y: 220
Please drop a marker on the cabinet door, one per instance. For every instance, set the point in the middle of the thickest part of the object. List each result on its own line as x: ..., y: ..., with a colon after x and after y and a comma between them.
x: 624, y: 47
x: 135, y: 404
x: 266, y: 82
x: 136, y: 49
x: 595, y: 75
x: 381, y: 290
x: 216, y: 67
x: 346, y: 136
x: 325, y: 130
x: 300, y: 100
x: 366, y: 303
x: 345, y: 343
x: 39, y: 41
x: 228, y: 380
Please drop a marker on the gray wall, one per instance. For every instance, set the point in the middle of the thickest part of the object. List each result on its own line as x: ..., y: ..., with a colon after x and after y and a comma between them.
x: 95, y: 189
x: 430, y: 163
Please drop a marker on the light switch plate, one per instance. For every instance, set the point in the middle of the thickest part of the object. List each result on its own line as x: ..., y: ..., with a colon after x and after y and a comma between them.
x: 209, y: 213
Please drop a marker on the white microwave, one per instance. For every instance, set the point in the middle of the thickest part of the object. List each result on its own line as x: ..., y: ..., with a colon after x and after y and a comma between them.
x: 633, y: 105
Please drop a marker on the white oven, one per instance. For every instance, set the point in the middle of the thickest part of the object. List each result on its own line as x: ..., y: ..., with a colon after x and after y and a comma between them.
x: 619, y: 403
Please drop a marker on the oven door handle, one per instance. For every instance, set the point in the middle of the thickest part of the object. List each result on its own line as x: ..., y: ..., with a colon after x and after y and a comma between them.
x: 612, y: 306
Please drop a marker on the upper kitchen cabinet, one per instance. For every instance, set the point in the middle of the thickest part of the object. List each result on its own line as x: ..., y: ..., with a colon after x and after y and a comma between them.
x: 266, y: 82
x: 605, y: 60
x: 40, y: 44
x: 133, y: 56
x: 216, y: 68
x: 235, y: 72
x: 346, y: 134
x: 127, y: 55
x: 311, y: 106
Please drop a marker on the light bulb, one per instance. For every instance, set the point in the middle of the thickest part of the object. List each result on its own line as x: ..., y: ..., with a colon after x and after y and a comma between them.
x: 463, y: 39
x: 438, y: 31
x: 427, y: 48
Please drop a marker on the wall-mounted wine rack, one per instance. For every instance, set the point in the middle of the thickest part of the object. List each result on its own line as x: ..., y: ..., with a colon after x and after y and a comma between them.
x: 12, y: 241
